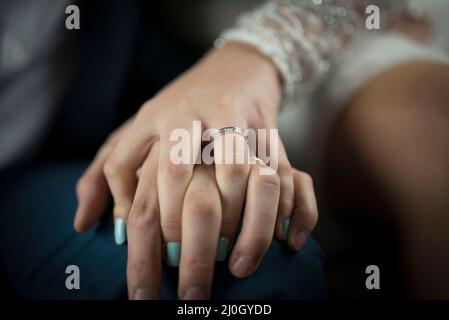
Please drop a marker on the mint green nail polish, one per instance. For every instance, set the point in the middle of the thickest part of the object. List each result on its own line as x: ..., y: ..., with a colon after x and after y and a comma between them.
x: 285, y: 227
x: 172, y: 254
x: 222, y: 248
x: 119, y: 231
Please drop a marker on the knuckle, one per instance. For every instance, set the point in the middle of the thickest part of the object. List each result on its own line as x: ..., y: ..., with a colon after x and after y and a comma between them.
x: 111, y: 168
x: 199, y: 204
x: 268, y: 216
x: 271, y: 181
x: 286, y: 204
x: 179, y: 172
x: 171, y: 224
x: 284, y: 168
x: 197, y: 265
x: 233, y: 173
x: 144, y: 214
x: 307, y: 178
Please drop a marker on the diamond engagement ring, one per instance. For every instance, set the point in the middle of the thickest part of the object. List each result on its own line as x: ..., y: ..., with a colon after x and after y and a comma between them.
x: 229, y: 130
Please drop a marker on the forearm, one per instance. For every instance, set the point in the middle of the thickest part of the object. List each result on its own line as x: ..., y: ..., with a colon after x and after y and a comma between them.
x: 303, y: 39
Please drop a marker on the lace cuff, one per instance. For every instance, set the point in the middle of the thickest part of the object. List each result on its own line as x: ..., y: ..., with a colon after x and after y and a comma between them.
x: 302, y: 38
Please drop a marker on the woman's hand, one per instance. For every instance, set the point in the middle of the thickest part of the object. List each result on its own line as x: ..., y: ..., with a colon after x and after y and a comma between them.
x: 179, y: 203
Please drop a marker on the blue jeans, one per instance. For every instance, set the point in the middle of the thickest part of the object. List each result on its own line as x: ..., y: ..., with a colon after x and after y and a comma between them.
x: 37, y: 243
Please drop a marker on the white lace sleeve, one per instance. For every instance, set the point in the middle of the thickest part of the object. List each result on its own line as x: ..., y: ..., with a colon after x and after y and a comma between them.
x: 303, y: 38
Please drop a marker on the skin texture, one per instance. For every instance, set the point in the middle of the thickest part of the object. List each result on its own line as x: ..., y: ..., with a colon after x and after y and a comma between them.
x: 193, y: 205
x: 165, y: 203
x: 389, y: 154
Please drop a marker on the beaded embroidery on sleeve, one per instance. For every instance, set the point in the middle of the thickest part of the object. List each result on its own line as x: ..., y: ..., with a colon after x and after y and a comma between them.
x: 303, y: 38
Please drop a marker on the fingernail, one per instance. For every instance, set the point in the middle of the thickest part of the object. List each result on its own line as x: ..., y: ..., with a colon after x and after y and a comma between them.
x: 173, y: 252
x: 244, y: 266
x: 194, y: 293
x: 119, y: 231
x: 222, y: 248
x: 301, y: 239
x: 285, y: 227
x: 142, y: 294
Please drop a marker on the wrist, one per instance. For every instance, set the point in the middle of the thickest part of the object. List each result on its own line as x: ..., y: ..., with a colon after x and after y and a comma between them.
x: 251, y: 55
x: 247, y: 72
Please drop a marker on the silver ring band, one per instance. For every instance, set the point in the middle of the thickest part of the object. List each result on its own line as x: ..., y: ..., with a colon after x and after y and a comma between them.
x: 229, y: 130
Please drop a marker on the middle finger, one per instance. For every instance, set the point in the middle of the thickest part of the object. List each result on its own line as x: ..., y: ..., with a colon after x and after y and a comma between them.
x: 201, y: 219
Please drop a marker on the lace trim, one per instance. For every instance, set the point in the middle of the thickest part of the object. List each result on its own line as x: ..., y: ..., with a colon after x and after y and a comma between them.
x: 303, y: 38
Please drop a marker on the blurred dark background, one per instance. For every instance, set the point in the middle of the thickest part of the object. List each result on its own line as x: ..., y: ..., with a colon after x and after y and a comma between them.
x: 100, y: 75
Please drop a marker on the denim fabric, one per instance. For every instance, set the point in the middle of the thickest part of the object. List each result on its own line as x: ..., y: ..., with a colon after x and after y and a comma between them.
x: 37, y: 243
